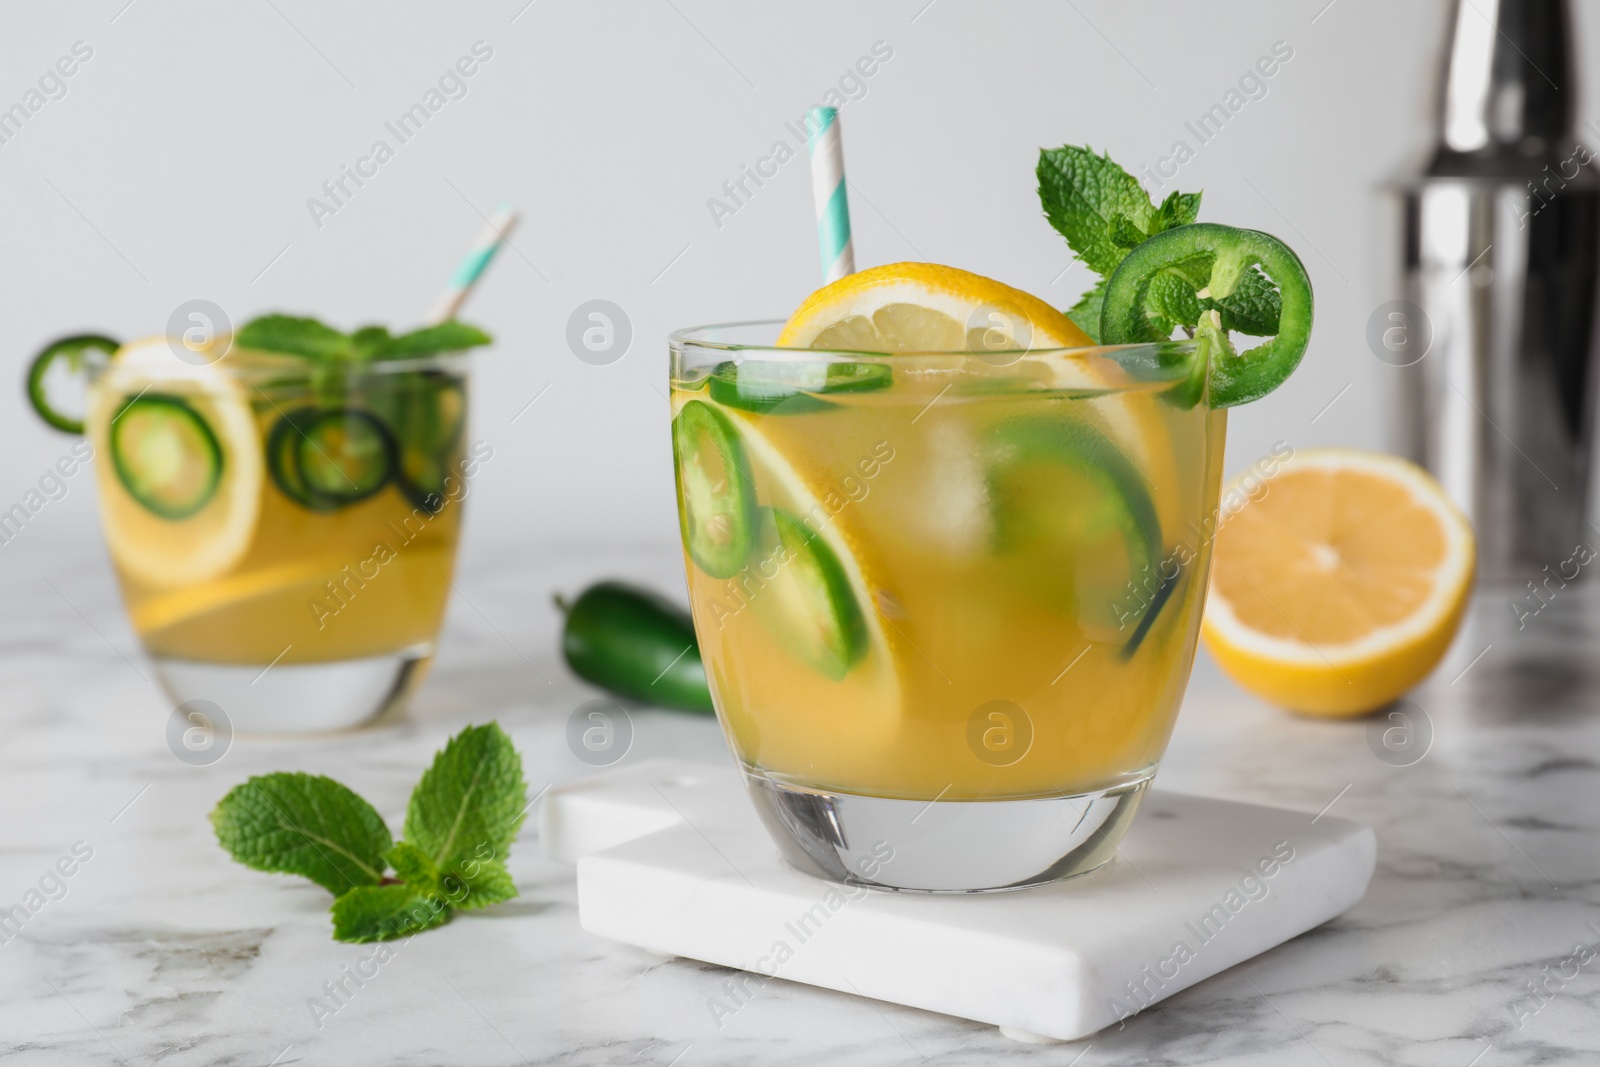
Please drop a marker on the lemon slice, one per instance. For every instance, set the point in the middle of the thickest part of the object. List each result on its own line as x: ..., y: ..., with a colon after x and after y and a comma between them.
x: 1341, y: 584
x: 863, y: 705
x: 785, y: 487
x: 170, y: 547
x: 924, y: 307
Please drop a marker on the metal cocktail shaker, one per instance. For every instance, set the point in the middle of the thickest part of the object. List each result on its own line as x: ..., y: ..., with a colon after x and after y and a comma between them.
x: 1496, y: 335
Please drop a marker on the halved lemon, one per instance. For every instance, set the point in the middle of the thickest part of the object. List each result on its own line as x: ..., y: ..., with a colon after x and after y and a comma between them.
x: 1339, y: 582
x: 181, y: 475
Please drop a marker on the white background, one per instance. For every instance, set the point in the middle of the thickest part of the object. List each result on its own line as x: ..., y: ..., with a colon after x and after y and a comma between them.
x: 179, y: 164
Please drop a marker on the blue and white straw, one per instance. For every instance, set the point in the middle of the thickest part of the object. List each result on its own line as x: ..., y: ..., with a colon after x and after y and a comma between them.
x: 827, y: 188
x: 474, y: 263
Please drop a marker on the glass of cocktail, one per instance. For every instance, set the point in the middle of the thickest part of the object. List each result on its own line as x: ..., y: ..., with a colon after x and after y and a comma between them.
x: 283, y: 528
x: 281, y: 502
x: 948, y: 601
x: 948, y: 546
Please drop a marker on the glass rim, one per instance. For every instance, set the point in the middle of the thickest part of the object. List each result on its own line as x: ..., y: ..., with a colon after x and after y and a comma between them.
x: 694, y: 337
x: 251, y: 365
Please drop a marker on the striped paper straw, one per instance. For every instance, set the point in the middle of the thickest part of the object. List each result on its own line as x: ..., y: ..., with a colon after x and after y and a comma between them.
x: 474, y: 263
x: 827, y: 188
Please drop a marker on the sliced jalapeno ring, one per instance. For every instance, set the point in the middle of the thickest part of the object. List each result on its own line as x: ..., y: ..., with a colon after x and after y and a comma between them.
x: 80, y: 354
x: 425, y: 412
x: 165, y: 455
x: 1233, y: 379
x: 716, y: 493
x: 808, y: 604
x: 1059, y: 484
x: 793, y: 388
x: 282, y: 463
x: 344, y: 456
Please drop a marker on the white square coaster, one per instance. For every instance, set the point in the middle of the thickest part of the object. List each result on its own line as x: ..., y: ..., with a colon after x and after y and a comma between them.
x: 672, y: 858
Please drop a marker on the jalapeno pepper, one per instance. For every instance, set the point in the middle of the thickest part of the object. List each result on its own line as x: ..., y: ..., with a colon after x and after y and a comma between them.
x: 80, y: 355
x: 635, y: 644
x: 1224, y: 256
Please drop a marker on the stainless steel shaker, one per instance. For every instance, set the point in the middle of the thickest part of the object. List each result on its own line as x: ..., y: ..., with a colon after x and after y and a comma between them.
x: 1495, y: 341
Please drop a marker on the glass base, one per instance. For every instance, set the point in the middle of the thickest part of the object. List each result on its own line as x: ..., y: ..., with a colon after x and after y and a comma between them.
x: 298, y: 698
x: 944, y: 846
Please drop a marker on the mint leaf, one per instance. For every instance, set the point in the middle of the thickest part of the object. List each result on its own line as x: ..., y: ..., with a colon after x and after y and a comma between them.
x: 472, y: 799
x: 312, y: 339
x: 451, y: 336
x: 1196, y: 270
x: 293, y: 336
x: 303, y: 824
x: 371, y: 342
x: 1086, y: 312
x: 1123, y: 233
x: 385, y: 912
x: 473, y: 883
x: 1081, y: 191
x: 415, y: 868
x: 1253, y: 306
x: 1103, y: 212
x: 1178, y: 209
x: 478, y: 884
x: 1173, y: 299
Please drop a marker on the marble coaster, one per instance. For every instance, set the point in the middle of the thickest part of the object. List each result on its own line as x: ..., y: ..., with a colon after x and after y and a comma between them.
x: 672, y: 858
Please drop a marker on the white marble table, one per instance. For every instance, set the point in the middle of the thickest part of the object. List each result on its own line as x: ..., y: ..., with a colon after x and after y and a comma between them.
x: 163, y: 949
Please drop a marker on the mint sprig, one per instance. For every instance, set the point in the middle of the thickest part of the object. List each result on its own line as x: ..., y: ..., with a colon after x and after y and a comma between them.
x: 460, y: 823
x: 1084, y: 196
x: 306, y: 337
x: 1104, y: 213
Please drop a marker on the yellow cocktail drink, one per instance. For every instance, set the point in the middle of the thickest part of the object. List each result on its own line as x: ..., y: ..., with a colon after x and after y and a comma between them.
x: 941, y: 576
x: 262, y: 513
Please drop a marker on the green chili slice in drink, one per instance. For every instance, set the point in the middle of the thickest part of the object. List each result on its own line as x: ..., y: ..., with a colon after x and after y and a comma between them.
x: 343, y: 456
x: 793, y: 388
x: 165, y: 454
x: 1059, y: 485
x: 425, y: 411
x: 283, y: 464
x: 716, y: 492
x: 806, y: 601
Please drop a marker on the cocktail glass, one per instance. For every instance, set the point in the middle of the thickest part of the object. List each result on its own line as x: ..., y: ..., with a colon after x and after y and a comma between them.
x: 948, y: 602
x: 284, y: 532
